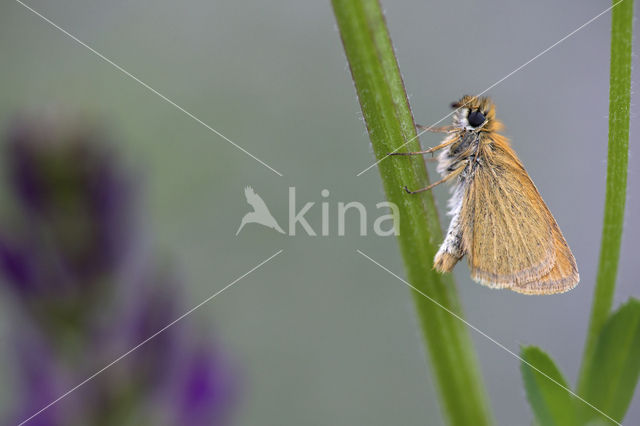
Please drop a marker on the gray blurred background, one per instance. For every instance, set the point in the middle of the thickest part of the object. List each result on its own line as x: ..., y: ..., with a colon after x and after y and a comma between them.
x: 323, y: 336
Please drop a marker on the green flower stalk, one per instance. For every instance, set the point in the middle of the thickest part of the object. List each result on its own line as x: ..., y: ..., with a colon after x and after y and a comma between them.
x: 617, y: 162
x: 390, y: 125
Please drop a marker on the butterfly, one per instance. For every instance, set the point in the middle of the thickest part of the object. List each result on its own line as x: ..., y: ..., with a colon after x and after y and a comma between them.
x: 498, y: 218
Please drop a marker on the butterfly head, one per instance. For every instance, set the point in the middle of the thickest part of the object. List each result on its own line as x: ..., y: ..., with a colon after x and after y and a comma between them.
x: 475, y: 114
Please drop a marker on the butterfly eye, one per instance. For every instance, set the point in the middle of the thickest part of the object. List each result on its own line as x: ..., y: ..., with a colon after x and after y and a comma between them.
x: 476, y: 118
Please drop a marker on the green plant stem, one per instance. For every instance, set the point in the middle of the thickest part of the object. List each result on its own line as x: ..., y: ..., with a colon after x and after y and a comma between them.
x: 390, y: 125
x: 617, y: 159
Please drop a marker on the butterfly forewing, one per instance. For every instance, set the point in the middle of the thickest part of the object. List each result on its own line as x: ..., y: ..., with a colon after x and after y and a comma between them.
x: 510, y: 240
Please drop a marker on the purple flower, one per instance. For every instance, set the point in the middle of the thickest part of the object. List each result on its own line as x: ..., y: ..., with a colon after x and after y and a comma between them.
x: 73, y: 223
x: 40, y: 377
x: 17, y: 265
x: 207, y: 391
x: 184, y: 374
x: 155, y: 306
x: 90, y: 294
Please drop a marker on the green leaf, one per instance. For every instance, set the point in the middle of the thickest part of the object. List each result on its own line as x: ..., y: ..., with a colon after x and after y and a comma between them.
x: 617, y: 163
x: 390, y: 125
x: 551, y: 403
x: 613, y: 374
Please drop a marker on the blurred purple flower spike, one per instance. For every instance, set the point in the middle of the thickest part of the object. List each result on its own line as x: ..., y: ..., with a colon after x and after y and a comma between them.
x: 74, y: 207
x: 90, y: 293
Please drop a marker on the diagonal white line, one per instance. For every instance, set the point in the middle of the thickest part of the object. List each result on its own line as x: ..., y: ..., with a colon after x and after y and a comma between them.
x: 146, y: 86
x: 500, y: 345
x: 163, y: 329
x: 498, y: 82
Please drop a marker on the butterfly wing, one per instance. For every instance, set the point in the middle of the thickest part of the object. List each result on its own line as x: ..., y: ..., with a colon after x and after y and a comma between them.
x: 511, y: 238
x: 562, y: 277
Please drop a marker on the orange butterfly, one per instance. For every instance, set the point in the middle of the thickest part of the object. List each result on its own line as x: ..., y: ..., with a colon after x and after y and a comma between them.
x: 499, y: 219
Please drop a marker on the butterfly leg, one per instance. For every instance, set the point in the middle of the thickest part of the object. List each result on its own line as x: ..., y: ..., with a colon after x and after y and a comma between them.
x: 445, y: 129
x: 444, y: 144
x: 448, y: 177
